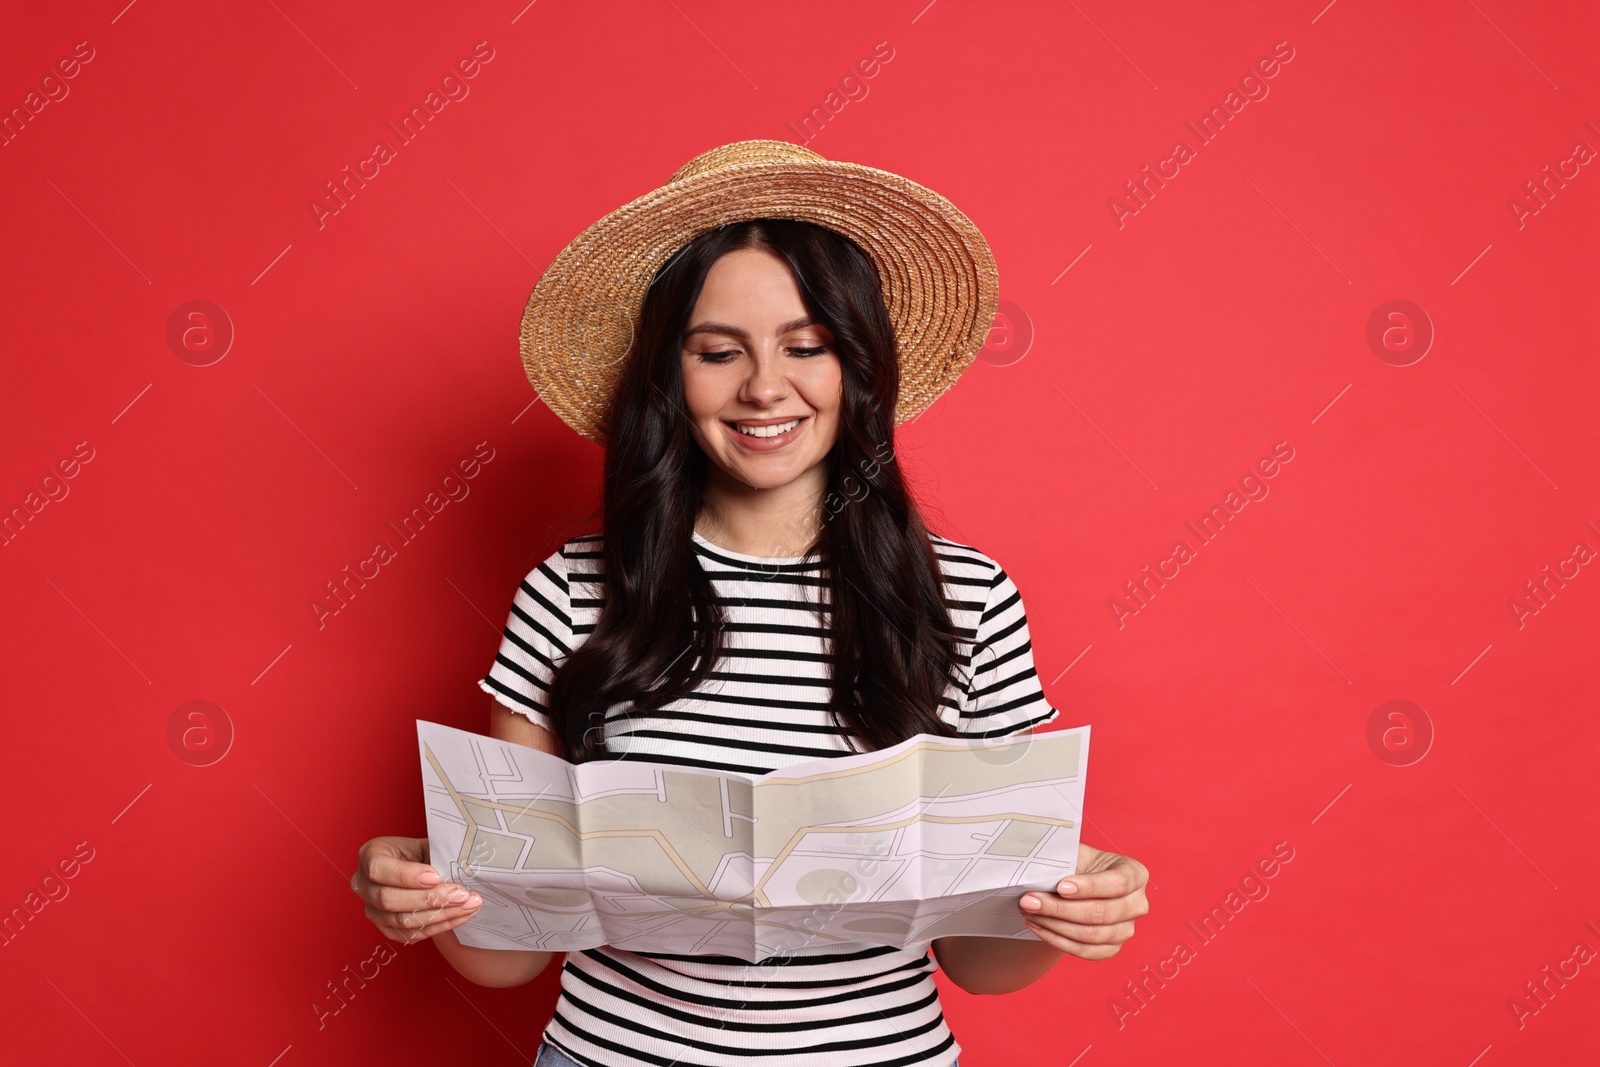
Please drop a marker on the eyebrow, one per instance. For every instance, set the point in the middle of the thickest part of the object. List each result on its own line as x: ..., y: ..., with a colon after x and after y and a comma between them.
x: 744, y: 335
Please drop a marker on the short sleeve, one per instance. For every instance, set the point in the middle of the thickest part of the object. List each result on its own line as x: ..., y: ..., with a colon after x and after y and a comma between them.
x: 1004, y: 696
x: 538, y: 635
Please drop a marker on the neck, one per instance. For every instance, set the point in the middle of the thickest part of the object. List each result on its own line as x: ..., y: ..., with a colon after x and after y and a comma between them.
x: 782, y: 521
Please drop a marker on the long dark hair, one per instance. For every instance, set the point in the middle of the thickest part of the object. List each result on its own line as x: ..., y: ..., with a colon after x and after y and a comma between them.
x: 893, y: 645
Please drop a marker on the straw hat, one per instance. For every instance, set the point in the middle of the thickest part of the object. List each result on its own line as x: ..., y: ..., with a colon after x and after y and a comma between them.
x: 938, y: 275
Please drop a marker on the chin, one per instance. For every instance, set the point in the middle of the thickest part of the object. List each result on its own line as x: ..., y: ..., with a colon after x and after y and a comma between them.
x: 766, y: 477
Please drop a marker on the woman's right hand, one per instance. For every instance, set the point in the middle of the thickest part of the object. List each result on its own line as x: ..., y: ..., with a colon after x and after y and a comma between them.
x: 404, y: 896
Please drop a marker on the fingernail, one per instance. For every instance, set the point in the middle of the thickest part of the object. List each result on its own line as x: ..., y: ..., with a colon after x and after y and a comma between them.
x: 456, y: 896
x: 1066, y: 889
x: 473, y: 901
x: 1030, y: 903
x: 428, y: 878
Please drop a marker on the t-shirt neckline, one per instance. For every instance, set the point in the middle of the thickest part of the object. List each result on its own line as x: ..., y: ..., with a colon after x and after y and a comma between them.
x: 746, y: 557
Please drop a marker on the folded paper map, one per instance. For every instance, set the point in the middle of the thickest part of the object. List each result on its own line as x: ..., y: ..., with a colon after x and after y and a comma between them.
x: 931, y: 838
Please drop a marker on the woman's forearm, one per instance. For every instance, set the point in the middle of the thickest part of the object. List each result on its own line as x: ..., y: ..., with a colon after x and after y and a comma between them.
x: 491, y: 966
x: 990, y: 965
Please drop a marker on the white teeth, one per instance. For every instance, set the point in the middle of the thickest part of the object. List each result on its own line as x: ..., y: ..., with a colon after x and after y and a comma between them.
x: 767, y: 431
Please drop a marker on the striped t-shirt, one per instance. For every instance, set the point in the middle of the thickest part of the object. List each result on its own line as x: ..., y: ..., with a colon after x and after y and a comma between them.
x: 764, y: 707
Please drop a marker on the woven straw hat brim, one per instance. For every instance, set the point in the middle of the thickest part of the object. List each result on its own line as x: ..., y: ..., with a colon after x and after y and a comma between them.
x: 938, y: 275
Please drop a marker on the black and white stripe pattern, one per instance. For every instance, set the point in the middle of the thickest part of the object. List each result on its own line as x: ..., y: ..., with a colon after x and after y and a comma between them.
x: 764, y: 707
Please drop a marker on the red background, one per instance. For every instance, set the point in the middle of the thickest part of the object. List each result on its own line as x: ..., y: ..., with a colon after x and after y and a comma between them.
x: 374, y: 352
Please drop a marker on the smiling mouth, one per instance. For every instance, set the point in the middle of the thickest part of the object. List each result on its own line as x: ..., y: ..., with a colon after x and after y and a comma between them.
x: 767, y: 436
x: 762, y: 431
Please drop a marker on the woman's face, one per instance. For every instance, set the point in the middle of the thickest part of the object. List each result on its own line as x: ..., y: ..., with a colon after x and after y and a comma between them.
x: 752, y: 357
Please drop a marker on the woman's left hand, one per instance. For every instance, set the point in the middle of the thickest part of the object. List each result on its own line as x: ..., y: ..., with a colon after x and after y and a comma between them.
x: 1091, y: 913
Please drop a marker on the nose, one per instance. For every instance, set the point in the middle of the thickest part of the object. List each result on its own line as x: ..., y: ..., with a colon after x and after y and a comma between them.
x: 766, y: 383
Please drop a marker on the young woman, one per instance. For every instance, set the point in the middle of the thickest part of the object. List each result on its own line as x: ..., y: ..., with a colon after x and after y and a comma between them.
x: 759, y: 548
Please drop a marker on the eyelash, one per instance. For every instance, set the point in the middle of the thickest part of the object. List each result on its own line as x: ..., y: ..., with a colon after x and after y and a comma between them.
x: 805, y: 353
